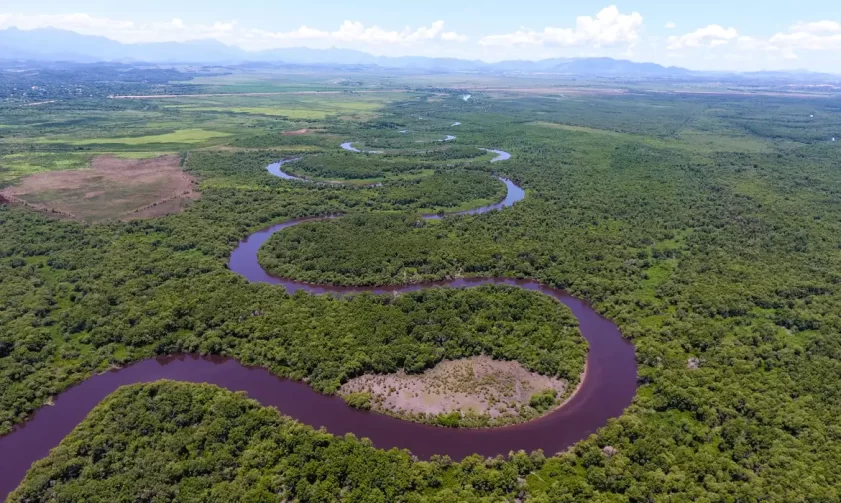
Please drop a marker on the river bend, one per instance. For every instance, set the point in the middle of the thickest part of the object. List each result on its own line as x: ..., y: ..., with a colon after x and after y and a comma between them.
x: 607, y: 388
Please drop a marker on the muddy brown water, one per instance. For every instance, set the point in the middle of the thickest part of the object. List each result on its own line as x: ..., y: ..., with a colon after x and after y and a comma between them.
x: 607, y: 389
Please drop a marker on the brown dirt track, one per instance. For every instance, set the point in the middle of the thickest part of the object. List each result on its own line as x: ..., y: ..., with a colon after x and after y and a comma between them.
x: 111, y: 188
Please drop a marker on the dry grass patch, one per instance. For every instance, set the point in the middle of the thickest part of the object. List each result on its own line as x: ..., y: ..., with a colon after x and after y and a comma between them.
x: 498, y: 391
x: 111, y: 188
x: 296, y: 132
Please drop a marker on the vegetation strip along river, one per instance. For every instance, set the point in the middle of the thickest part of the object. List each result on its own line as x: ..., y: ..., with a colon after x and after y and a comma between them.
x: 607, y: 388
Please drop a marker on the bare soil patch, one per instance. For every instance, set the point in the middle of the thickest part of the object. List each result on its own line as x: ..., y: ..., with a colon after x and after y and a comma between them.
x: 296, y: 132
x: 111, y: 188
x: 498, y: 391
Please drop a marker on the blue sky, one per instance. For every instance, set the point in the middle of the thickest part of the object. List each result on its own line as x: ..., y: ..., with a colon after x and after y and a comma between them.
x: 714, y: 34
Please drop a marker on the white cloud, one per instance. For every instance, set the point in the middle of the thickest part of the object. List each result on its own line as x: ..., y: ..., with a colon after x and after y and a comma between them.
x: 453, y: 36
x: 349, y: 33
x: 174, y: 30
x: 819, y: 40
x: 608, y: 28
x: 814, y: 44
x: 815, y: 36
x: 354, y: 31
x: 713, y: 35
x: 818, y: 27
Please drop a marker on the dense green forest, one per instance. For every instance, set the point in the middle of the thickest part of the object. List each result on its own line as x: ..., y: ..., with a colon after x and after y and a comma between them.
x: 447, y: 189
x: 81, y: 298
x: 354, y: 166
x: 348, y: 165
x: 201, y: 443
x: 706, y: 227
x: 372, y: 249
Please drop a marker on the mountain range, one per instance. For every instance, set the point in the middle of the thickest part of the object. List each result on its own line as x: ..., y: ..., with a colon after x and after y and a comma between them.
x: 50, y: 44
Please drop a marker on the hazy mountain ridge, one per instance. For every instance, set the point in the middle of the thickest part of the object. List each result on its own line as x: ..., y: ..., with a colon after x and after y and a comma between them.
x: 49, y: 44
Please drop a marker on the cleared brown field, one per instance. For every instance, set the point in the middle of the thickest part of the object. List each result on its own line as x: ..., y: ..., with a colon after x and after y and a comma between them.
x: 110, y: 189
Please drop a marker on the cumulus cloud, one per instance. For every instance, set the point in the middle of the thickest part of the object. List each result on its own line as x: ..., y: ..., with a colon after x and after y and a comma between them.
x: 713, y: 35
x: 818, y: 42
x: 822, y: 35
x: 174, y: 30
x: 815, y: 44
x: 608, y: 28
x: 454, y: 37
x: 349, y: 33
x: 815, y: 36
x: 354, y: 31
x: 818, y: 27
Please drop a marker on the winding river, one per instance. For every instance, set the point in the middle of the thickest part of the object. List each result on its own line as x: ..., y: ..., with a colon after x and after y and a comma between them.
x: 608, y: 386
x: 274, y: 169
x: 501, y: 155
x: 350, y: 148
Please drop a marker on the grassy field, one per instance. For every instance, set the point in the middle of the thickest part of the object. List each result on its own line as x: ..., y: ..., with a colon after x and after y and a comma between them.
x: 14, y: 166
x: 287, y: 82
x: 188, y: 136
x: 358, y: 106
x: 58, y: 136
